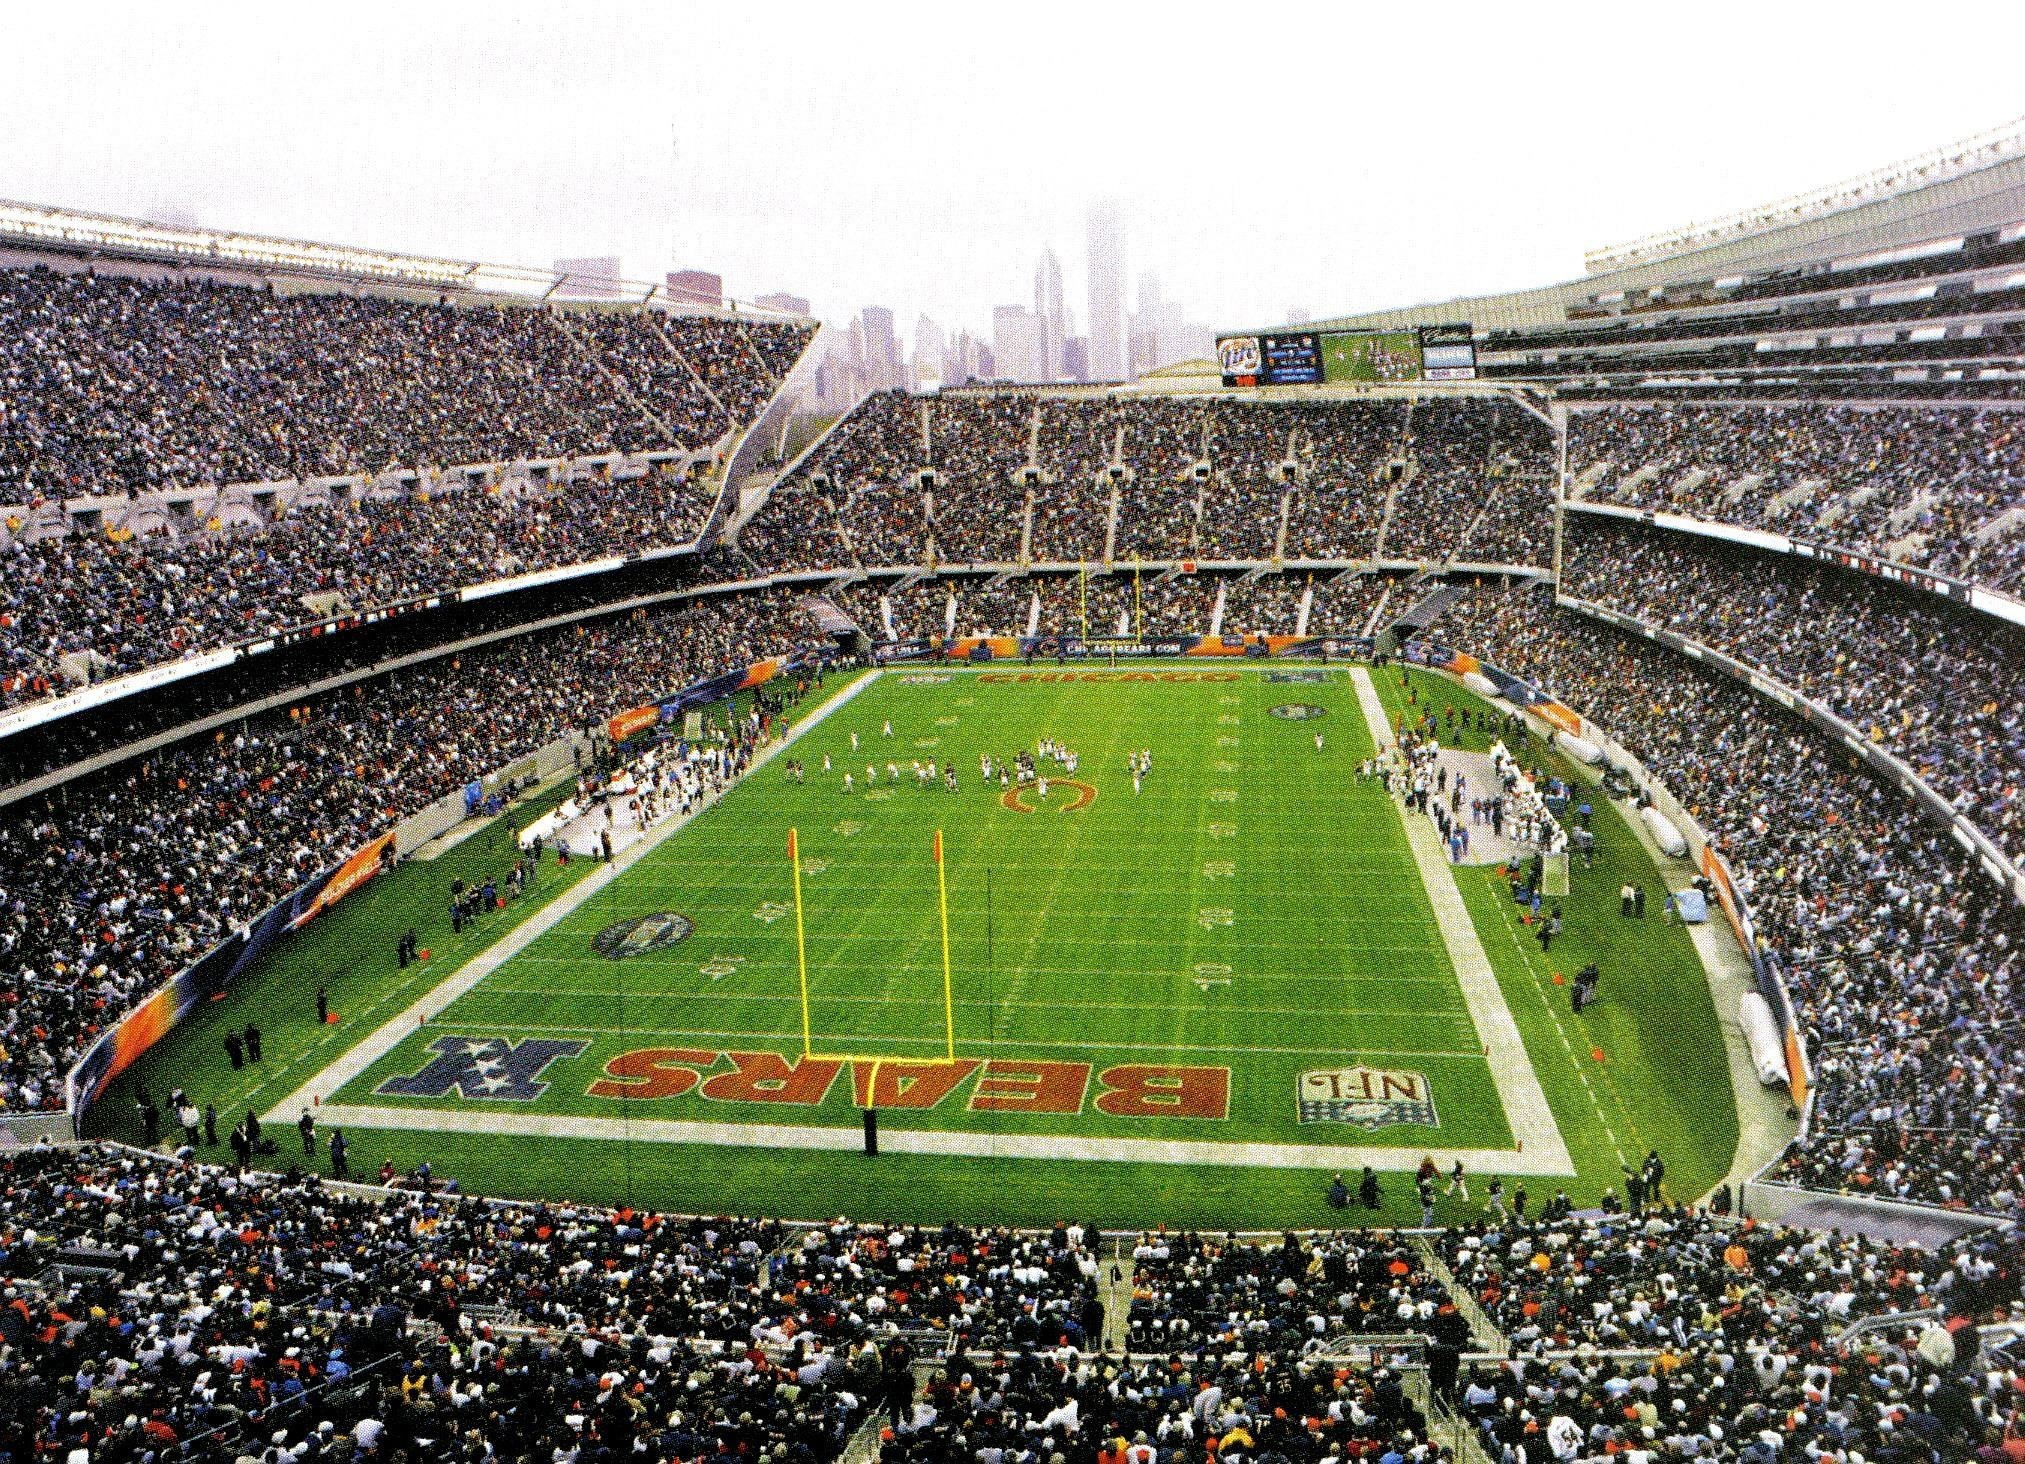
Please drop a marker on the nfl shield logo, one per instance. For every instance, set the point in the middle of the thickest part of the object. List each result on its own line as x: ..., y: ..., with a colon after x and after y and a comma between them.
x: 1369, y: 1098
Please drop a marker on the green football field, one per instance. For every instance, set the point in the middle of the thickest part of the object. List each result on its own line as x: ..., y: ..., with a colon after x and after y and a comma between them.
x: 1187, y: 1004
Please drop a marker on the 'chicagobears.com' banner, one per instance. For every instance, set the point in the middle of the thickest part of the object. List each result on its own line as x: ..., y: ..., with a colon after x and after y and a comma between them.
x: 980, y: 648
x: 702, y: 693
x: 215, y: 970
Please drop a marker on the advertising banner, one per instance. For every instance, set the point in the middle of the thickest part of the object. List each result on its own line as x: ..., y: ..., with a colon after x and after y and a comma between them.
x: 979, y: 649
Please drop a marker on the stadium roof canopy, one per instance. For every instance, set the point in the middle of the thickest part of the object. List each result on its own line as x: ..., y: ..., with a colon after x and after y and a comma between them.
x: 1976, y: 187
x: 37, y: 229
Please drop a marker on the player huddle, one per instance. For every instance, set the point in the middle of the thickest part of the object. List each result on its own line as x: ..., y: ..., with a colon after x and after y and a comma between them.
x: 1025, y: 768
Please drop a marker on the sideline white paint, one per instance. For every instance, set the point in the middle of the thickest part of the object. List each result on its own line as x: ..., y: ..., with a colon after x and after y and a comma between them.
x: 1532, y: 1121
x: 391, y: 1033
x: 967, y: 1144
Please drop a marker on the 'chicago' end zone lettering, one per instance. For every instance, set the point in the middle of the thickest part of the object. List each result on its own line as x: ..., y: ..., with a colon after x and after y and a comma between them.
x: 996, y: 1085
x: 1017, y: 678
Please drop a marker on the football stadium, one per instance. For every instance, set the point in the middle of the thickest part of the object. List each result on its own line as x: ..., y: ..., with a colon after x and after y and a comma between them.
x: 596, y: 870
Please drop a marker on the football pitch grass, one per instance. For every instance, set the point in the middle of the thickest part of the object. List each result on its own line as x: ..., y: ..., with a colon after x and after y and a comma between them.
x: 1189, y: 1004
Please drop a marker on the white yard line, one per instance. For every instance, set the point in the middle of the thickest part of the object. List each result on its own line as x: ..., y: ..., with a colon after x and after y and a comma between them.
x: 390, y: 1034
x: 934, y: 1141
x: 847, y: 1042
x: 1532, y: 1121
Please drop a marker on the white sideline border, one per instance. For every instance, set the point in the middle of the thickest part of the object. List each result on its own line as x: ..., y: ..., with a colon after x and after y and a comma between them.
x: 392, y: 1032
x: 1543, y: 1153
x: 1525, y: 1102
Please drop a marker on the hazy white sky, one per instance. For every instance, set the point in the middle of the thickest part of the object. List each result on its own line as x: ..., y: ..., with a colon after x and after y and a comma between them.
x: 1333, y: 157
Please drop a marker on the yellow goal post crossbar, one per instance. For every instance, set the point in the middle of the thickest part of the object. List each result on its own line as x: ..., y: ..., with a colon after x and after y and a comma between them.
x: 871, y: 1060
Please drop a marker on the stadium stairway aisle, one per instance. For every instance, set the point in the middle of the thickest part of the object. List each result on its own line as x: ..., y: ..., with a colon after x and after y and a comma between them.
x: 1114, y: 1289
x: 1485, y: 1336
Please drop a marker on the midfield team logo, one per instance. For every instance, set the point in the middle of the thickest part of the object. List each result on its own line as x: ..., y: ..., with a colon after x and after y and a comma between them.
x: 1368, y: 1098
x: 484, y: 1067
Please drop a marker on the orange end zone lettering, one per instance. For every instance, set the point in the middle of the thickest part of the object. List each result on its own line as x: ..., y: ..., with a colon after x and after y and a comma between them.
x: 766, y: 1077
x: 652, y: 1072
x: 1147, y: 1090
x: 903, y: 1084
x: 1030, y: 1087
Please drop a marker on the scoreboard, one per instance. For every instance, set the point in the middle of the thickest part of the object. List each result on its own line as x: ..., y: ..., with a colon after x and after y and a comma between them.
x: 1306, y: 357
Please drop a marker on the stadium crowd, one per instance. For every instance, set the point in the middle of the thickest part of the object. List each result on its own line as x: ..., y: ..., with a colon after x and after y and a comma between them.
x: 137, y: 603
x: 1902, y: 959
x: 209, y: 1316
x: 1192, y: 479
x: 1193, y: 1292
x: 1467, y: 456
x: 1919, y: 484
x: 124, y: 877
x: 1941, y: 688
x: 114, y: 384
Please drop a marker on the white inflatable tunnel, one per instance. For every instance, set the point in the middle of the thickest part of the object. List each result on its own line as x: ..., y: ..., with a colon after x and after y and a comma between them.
x: 1479, y: 683
x: 1670, y: 839
x: 1761, y: 1030
x: 1579, y: 748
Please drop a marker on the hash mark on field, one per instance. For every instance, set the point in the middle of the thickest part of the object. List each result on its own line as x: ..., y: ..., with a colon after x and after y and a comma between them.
x: 1045, y: 1005
x: 1211, y: 973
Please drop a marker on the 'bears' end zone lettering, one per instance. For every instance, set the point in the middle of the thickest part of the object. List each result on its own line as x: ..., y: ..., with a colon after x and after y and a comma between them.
x: 997, y: 1085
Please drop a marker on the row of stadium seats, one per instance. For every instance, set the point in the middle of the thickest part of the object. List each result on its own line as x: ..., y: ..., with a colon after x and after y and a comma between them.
x: 1937, y: 487
x: 1466, y: 480
x: 159, y: 1308
x: 1111, y: 604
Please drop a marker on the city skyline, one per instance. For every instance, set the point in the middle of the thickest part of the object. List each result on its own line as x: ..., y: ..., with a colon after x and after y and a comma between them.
x: 1040, y: 343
